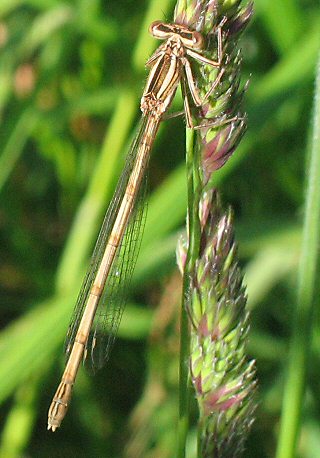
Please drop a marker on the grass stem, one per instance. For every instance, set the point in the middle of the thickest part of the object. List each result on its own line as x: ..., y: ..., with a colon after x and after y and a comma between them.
x: 184, y: 324
x: 302, y: 327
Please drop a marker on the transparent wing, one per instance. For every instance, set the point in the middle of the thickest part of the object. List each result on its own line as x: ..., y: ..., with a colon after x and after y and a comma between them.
x: 115, y: 292
x: 112, y: 300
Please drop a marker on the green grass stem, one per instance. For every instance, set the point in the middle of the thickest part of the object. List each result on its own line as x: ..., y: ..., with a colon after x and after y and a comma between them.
x: 184, y: 322
x: 302, y: 329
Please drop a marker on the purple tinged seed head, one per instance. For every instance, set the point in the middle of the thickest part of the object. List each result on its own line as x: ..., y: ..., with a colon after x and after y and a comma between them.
x: 222, y: 375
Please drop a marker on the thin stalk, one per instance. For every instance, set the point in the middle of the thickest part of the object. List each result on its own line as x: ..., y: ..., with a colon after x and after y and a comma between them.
x: 193, y: 200
x: 302, y: 328
x: 183, y: 423
x: 194, y: 240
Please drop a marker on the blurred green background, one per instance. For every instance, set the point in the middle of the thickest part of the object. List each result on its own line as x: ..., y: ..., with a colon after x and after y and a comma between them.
x: 71, y: 75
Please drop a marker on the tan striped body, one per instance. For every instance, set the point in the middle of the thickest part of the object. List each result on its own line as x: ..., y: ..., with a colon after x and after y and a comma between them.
x: 59, y: 405
x: 167, y: 64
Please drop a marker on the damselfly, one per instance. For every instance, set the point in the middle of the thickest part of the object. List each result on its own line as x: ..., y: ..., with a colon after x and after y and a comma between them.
x: 101, y: 300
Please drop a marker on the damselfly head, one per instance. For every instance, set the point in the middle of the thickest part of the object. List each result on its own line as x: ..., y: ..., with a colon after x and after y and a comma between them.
x: 190, y: 38
x: 153, y: 29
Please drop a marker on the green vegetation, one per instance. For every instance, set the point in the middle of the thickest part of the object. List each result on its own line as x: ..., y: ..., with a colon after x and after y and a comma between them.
x: 71, y: 75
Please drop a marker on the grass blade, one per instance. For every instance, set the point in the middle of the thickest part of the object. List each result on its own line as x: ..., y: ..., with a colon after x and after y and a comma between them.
x: 302, y: 328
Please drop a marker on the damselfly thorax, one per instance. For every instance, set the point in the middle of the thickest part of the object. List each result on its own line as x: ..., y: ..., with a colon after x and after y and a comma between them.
x: 170, y: 65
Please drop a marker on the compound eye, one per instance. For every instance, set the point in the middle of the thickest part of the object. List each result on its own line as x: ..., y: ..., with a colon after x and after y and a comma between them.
x: 160, y: 30
x: 197, y: 40
x: 153, y: 28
